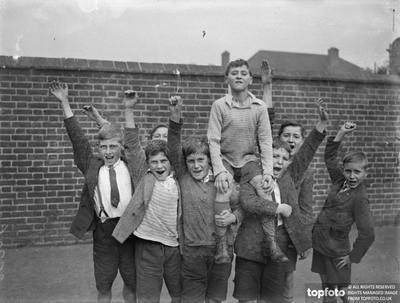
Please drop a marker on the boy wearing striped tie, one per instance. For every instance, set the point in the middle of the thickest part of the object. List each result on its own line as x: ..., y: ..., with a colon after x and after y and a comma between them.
x: 107, y: 190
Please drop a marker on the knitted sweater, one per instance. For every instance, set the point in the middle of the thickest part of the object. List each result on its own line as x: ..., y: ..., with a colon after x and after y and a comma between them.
x: 198, y: 197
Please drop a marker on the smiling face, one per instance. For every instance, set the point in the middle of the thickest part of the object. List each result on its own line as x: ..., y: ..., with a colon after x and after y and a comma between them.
x: 161, y: 133
x: 160, y: 166
x: 355, y: 173
x: 110, y: 150
x: 281, y: 159
x: 293, y: 136
x: 239, y: 78
x: 198, y: 165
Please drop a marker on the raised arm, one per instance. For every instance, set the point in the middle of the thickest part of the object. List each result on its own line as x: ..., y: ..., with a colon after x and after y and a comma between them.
x: 331, y: 152
x: 302, y: 159
x: 93, y: 114
x: 174, y: 135
x: 133, y: 150
x: 80, y: 144
x: 266, y: 84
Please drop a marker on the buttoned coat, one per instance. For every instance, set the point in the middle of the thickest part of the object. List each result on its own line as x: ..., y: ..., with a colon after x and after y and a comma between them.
x: 340, y: 211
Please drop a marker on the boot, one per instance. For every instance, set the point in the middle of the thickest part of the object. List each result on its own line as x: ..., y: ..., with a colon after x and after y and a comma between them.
x: 222, y: 255
x: 275, y: 252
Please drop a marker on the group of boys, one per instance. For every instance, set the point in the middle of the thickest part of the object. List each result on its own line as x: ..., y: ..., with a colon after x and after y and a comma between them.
x: 167, y: 212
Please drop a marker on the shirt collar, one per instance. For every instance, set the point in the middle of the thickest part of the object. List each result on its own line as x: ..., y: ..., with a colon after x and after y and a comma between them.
x: 345, y: 187
x: 209, y: 177
x: 253, y: 99
x: 114, y: 165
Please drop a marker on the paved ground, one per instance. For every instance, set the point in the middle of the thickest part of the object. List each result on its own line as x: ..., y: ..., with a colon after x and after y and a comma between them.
x: 65, y: 274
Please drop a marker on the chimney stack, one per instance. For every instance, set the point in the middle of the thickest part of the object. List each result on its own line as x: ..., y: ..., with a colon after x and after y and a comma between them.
x: 225, y: 58
x: 333, y: 56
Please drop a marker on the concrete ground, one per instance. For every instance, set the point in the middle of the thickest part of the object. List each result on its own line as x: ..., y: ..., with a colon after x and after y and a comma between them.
x: 65, y: 273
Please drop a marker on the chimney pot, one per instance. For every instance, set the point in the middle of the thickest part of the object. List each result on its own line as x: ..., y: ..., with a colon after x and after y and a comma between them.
x: 333, y: 52
x: 225, y: 58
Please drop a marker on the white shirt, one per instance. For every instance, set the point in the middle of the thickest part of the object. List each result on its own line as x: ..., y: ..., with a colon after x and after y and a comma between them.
x: 277, y: 193
x: 104, y: 188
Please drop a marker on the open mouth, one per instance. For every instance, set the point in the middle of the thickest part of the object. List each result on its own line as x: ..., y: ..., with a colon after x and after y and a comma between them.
x: 352, y: 184
x: 277, y: 170
x: 160, y: 172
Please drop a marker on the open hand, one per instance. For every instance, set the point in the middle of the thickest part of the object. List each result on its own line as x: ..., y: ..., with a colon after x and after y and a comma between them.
x: 266, y: 72
x: 59, y: 90
x: 343, y: 262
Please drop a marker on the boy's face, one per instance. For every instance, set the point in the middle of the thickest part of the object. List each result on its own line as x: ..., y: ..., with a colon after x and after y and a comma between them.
x: 198, y: 165
x: 160, y: 166
x: 354, y: 173
x: 239, y: 78
x: 110, y: 150
x: 160, y: 134
x: 293, y: 136
x: 281, y: 159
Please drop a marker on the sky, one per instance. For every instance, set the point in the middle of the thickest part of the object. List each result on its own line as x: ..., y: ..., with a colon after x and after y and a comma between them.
x: 197, y: 31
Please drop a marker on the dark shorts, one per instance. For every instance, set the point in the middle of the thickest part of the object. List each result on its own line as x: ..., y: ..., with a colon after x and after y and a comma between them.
x: 245, y: 173
x: 201, y: 277
x: 273, y: 281
x: 325, y: 265
x: 156, y: 262
x: 109, y: 256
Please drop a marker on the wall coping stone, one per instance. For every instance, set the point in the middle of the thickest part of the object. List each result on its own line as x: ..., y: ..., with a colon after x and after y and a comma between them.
x: 74, y: 64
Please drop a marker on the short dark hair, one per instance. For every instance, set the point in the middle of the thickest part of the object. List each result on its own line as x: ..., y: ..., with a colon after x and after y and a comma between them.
x: 278, y: 143
x: 237, y: 63
x: 155, y: 129
x: 195, y: 145
x: 356, y: 156
x: 154, y: 147
x: 294, y: 124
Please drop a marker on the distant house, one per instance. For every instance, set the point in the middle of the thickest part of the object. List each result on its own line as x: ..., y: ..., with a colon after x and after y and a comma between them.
x: 305, y: 65
x: 301, y: 64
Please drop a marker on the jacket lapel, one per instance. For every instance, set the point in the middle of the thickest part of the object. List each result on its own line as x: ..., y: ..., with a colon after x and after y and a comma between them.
x: 92, y: 175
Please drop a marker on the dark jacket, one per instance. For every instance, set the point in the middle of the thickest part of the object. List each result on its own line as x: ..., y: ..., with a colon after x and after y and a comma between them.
x: 340, y: 211
x: 89, y: 164
x: 249, y: 241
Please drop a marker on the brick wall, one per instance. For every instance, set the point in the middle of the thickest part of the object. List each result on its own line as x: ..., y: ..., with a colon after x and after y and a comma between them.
x: 40, y: 186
